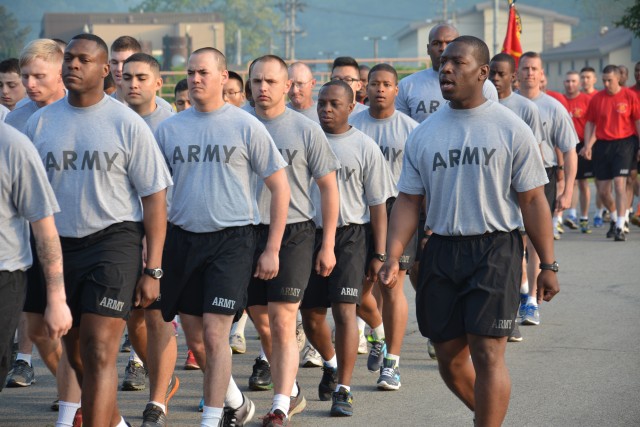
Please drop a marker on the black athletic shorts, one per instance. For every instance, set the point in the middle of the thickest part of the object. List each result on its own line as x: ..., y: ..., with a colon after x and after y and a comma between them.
x: 550, y: 188
x: 101, y: 270
x: 344, y: 284
x: 296, y: 257
x: 36, y: 300
x: 469, y: 285
x: 614, y: 158
x: 635, y: 163
x: 585, y: 167
x: 12, y: 294
x: 409, y: 254
x: 206, y: 272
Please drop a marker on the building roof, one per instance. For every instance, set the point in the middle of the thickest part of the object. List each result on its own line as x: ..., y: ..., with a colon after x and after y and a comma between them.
x: 591, y: 46
x: 130, y: 18
x: 523, y: 9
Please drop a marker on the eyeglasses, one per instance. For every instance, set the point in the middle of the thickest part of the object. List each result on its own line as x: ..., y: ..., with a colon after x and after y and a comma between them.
x: 300, y: 85
x: 231, y: 93
x: 347, y: 80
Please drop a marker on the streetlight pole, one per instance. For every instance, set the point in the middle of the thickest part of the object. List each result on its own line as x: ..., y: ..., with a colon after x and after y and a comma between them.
x: 376, y: 40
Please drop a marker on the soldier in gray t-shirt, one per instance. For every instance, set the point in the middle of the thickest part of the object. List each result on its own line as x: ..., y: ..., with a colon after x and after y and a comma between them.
x: 27, y: 198
x: 477, y: 165
x: 365, y: 184
x: 104, y: 167
x: 419, y: 94
x: 301, y: 91
x: 3, y: 112
x: 346, y: 68
x: 217, y: 153
x: 310, y: 159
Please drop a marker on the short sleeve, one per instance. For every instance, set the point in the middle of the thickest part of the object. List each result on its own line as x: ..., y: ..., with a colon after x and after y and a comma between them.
x: 410, y: 179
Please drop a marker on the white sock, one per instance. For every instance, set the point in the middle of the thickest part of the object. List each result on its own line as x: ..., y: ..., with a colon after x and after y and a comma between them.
x: 572, y: 213
x: 159, y: 405
x: 25, y: 357
x: 342, y: 385
x: 600, y: 212
x: 295, y: 390
x: 361, y: 324
x: 238, y: 327
x: 262, y: 355
x: 332, y: 363
x: 122, y: 423
x: 620, y: 222
x: 626, y: 217
x: 614, y: 216
x: 299, y: 317
x: 524, y: 287
x: 555, y: 221
x: 281, y: 401
x: 66, y: 413
x: 393, y: 357
x: 532, y: 301
x: 133, y: 357
x: 378, y: 332
x: 211, y: 416
x: 233, y: 398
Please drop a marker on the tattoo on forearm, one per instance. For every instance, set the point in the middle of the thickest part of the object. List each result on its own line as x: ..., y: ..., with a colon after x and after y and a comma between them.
x: 50, y: 256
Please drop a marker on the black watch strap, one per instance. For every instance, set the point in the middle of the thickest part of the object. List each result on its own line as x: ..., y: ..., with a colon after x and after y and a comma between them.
x: 553, y: 267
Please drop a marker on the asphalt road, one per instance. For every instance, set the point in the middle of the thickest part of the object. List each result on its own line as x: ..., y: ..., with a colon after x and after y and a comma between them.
x: 580, y: 367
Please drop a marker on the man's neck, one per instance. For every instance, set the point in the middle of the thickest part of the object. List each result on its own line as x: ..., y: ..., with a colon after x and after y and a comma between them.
x: 59, y: 95
x: 611, y: 92
x: 85, y: 99
x: 210, y: 106
x: 306, y: 105
x: 504, y: 94
x: 589, y: 91
x: 530, y: 93
x: 572, y: 95
x: 145, y: 109
x: 271, y: 113
x: 381, y: 112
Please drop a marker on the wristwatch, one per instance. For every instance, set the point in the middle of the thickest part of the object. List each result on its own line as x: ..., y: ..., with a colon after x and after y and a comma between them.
x: 156, y: 273
x: 380, y: 257
x: 553, y: 267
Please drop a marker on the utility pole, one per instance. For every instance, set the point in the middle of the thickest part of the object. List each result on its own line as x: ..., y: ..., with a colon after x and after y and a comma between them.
x: 375, y: 40
x: 290, y: 30
x: 495, y: 26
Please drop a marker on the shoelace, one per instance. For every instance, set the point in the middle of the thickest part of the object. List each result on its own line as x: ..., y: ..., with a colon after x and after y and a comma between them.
x: 152, y: 414
x: 389, y: 372
x: 271, y: 416
x: 229, y: 418
x: 21, y: 368
x: 376, y: 348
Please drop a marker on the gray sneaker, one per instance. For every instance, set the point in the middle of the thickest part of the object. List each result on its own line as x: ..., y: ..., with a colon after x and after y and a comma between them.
x: 135, y: 376
x: 431, y: 350
x: 240, y: 416
x: 389, y: 375
x: 238, y: 344
x: 21, y: 375
x: 515, y: 336
x: 153, y: 416
x: 531, y: 315
x: 301, y: 337
x: 376, y: 354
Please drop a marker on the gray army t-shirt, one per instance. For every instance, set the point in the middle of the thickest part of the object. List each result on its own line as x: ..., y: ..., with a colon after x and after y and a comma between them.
x: 3, y: 112
x: 419, y: 95
x: 557, y: 127
x: 364, y: 179
x: 156, y: 117
x: 216, y: 158
x: 527, y: 110
x: 390, y: 134
x: 18, y: 117
x: 470, y: 165
x: 310, y: 113
x: 26, y: 196
x: 305, y: 148
x: 99, y: 160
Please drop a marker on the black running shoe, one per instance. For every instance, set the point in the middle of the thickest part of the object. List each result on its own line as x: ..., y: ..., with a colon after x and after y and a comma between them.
x: 261, y: 377
x: 328, y: 383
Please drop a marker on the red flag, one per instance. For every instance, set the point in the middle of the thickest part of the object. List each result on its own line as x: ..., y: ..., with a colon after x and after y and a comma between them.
x: 512, y: 44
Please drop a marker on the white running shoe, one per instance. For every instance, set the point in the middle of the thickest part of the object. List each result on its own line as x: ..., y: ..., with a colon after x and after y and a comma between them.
x: 310, y: 357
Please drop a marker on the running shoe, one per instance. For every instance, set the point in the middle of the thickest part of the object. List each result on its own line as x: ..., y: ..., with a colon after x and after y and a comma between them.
x: 362, y: 343
x: 261, y: 377
x: 201, y: 405
x: 77, y: 418
x: 240, y: 416
x: 135, y: 376
x: 606, y: 216
x: 431, y: 350
x: 328, y: 382
x: 515, y: 335
x: 342, y: 405
x: 296, y: 403
x: 532, y: 315
x: 153, y: 416
x: 173, y: 387
x: 389, y: 375
x: 301, y: 337
x: 626, y: 227
x: 571, y: 222
x: 310, y: 357
x: 556, y: 235
x: 620, y: 236
x: 238, y: 344
x: 635, y: 219
x: 55, y: 406
x: 376, y: 354
x: 612, y: 230
x: 21, y: 374
x: 523, y: 304
x: 274, y: 419
x: 191, y: 364
x: 559, y: 228
x: 126, y: 345
x: 598, y: 222
x: 584, y: 226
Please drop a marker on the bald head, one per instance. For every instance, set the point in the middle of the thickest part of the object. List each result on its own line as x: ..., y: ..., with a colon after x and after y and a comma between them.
x: 302, y: 84
x: 439, y: 37
x: 217, y: 55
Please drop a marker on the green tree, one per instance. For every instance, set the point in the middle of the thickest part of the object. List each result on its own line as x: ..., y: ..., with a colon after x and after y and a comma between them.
x: 256, y: 19
x: 11, y: 35
x: 631, y: 19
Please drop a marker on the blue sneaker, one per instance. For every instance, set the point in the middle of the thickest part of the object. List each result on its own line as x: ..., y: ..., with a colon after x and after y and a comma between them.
x: 523, y: 304
x: 532, y: 315
x: 201, y: 405
x: 376, y: 354
x: 598, y: 222
x: 342, y: 405
x: 571, y: 222
x: 389, y: 375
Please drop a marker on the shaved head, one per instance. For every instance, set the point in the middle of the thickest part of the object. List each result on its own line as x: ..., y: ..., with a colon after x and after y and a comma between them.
x: 438, y: 28
x: 300, y: 70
